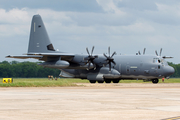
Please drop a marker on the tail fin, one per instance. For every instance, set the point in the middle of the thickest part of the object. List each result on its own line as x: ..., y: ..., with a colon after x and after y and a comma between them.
x: 39, y: 41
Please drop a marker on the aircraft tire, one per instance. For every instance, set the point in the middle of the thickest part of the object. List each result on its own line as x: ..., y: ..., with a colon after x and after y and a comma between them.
x: 92, y: 81
x: 108, y: 81
x: 100, y: 81
x: 155, y: 81
x: 115, y: 81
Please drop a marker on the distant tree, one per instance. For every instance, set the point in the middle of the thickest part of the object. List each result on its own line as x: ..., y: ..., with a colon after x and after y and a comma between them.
x: 25, y: 70
x: 176, y: 68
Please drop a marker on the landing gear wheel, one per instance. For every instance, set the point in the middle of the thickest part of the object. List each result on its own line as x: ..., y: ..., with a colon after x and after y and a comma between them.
x: 115, y: 81
x: 155, y: 81
x: 92, y: 81
x: 100, y: 81
x: 108, y: 81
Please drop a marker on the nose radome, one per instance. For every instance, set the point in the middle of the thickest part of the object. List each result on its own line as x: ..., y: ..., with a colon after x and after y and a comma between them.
x: 172, y: 70
x: 169, y: 71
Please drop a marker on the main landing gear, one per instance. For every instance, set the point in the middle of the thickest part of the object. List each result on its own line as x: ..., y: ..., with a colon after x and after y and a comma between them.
x: 106, y: 81
x: 155, y: 81
x: 92, y: 81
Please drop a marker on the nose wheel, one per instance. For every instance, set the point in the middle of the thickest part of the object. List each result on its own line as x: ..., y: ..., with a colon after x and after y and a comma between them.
x: 155, y: 81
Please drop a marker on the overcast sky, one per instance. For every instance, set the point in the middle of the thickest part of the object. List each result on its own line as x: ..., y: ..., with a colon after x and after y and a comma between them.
x: 127, y: 26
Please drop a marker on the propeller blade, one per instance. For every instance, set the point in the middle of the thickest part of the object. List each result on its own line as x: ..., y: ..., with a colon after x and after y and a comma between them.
x: 156, y: 52
x: 105, y: 55
x: 109, y: 50
x: 92, y: 50
x: 109, y: 67
x: 139, y: 52
x: 89, y: 65
x: 113, y: 54
x: 87, y: 51
x: 113, y: 62
x: 160, y: 52
x: 144, y: 51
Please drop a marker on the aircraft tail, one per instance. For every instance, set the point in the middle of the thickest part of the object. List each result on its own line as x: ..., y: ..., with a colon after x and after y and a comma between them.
x: 39, y: 41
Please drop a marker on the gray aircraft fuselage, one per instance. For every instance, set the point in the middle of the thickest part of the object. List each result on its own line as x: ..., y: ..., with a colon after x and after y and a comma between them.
x: 98, y: 68
x: 144, y: 67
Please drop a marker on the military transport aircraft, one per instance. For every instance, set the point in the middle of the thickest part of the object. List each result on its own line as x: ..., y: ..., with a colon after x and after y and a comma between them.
x: 100, y: 68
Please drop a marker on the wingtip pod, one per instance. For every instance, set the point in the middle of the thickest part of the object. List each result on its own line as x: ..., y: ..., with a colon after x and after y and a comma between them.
x: 39, y: 41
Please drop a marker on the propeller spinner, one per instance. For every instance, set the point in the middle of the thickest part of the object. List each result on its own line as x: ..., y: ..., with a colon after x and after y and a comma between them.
x: 90, y: 58
x: 109, y: 59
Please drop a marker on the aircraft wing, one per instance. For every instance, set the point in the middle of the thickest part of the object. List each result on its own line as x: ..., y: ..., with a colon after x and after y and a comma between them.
x: 44, y: 56
x: 52, y: 54
x: 24, y: 56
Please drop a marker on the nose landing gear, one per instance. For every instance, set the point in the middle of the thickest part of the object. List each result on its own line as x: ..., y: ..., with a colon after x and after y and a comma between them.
x: 155, y: 81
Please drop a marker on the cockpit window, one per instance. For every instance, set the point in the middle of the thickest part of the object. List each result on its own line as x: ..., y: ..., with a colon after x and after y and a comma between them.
x: 157, y: 60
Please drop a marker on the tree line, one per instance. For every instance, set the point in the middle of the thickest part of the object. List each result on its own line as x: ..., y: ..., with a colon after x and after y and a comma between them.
x: 32, y: 70
x: 25, y: 70
x: 176, y: 68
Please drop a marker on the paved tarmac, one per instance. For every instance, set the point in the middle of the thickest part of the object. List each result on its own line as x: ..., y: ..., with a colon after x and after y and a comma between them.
x: 92, y: 102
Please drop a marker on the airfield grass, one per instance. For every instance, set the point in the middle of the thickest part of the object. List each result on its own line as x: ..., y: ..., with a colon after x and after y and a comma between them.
x: 63, y: 82
x: 41, y: 82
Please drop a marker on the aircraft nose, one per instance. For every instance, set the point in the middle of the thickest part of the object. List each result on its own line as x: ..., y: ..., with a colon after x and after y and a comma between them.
x: 169, y: 71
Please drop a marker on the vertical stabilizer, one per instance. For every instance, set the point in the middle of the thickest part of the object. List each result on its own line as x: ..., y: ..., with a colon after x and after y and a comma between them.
x: 39, y: 41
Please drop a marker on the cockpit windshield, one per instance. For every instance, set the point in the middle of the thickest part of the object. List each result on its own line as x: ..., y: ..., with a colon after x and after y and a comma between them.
x: 158, y: 60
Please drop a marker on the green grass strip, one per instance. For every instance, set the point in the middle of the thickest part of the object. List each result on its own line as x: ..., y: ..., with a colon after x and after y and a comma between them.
x: 63, y: 82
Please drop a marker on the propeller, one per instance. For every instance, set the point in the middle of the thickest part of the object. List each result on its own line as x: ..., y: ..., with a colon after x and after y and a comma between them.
x: 109, y: 59
x: 159, y: 52
x: 143, y: 51
x: 90, y: 58
x: 164, y: 57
